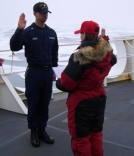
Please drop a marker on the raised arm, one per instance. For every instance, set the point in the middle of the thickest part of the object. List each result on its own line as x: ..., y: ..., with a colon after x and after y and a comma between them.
x: 22, y: 21
x: 17, y: 41
x: 103, y: 34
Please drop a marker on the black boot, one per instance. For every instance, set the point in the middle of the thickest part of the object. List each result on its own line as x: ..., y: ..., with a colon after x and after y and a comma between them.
x: 34, y: 138
x: 45, y: 137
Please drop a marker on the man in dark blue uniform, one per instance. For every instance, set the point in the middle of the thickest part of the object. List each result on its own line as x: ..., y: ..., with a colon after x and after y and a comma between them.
x: 41, y: 52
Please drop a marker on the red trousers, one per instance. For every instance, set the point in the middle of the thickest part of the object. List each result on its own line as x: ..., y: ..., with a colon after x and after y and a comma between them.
x: 88, y: 146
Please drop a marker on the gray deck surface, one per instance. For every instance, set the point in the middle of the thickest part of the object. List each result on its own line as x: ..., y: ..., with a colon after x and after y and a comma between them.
x: 118, y: 133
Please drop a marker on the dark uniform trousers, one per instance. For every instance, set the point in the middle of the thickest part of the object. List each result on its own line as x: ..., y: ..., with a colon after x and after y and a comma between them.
x: 38, y: 83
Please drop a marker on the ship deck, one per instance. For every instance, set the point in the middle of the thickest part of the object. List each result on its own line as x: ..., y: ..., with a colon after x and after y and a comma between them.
x: 118, y: 133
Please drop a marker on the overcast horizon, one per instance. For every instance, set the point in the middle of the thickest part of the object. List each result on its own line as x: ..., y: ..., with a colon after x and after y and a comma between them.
x: 115, y: 16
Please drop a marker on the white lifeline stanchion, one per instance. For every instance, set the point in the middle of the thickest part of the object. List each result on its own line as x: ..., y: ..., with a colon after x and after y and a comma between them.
x: 12, y: 61
x: 2, y: 69
x: 105, y: 82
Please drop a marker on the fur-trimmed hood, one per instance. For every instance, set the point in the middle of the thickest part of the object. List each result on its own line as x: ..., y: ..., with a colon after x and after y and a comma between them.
x: 90, y: 54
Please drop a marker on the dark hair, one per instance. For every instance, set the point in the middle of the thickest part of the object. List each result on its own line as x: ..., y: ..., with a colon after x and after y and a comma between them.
x: 92, y: 37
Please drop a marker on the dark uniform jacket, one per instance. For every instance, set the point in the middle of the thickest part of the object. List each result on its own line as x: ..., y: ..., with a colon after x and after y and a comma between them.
x: 41, y: 45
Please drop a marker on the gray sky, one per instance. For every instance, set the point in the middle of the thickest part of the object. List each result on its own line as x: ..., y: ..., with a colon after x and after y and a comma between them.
x: 114, y: 13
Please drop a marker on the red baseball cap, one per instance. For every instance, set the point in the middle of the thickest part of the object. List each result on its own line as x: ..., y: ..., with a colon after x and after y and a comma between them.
x: 89, y: 27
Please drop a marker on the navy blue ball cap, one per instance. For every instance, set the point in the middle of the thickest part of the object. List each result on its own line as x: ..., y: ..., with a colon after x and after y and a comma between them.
x: 41, y: 8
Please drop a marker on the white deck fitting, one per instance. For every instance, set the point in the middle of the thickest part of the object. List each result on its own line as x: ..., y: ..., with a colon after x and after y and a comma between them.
x: 121, y: 54
x: 9, y: 99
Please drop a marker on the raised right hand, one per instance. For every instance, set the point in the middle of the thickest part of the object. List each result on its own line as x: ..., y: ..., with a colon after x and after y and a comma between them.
x: 22, y: 21
x: 103, y: 32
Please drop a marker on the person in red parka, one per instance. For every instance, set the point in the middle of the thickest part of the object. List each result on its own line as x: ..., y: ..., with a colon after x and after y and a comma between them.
x: 83, y: 79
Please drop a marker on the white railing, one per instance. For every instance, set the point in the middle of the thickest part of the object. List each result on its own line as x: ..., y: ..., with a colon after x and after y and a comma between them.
x: 10, y: 99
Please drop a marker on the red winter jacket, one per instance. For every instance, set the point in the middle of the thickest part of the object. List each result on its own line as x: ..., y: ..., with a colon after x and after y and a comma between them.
x: 84, y: 75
